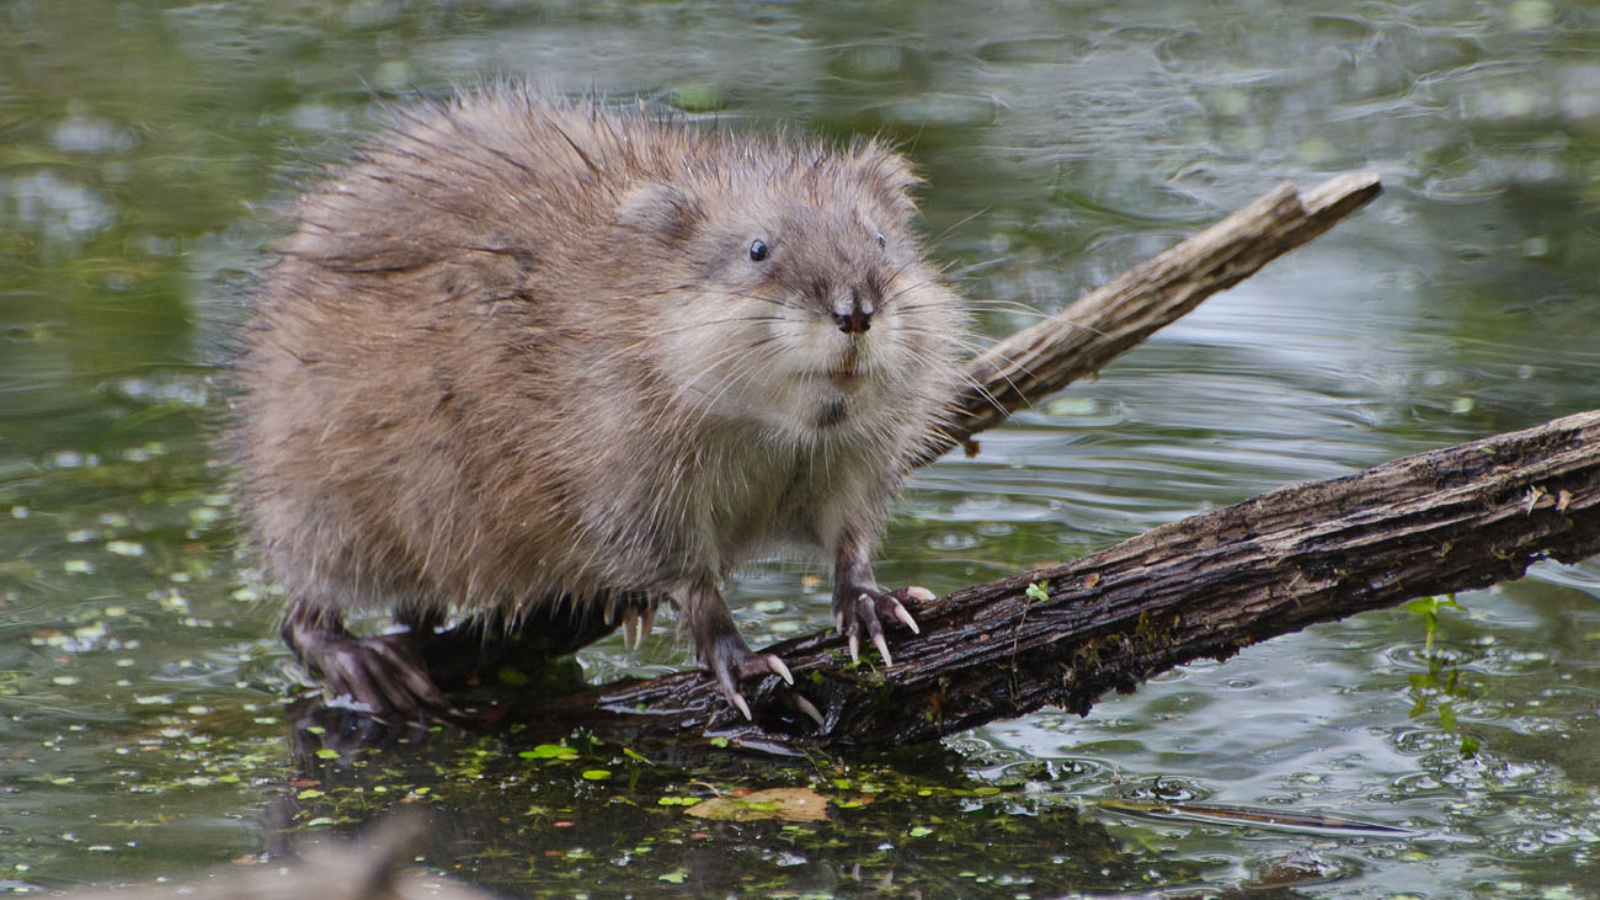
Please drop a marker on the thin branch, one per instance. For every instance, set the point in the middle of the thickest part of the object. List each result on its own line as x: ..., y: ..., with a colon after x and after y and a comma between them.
x: 1038, y: 361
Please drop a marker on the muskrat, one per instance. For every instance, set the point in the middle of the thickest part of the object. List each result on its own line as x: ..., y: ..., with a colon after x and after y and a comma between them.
x: 526, y: 354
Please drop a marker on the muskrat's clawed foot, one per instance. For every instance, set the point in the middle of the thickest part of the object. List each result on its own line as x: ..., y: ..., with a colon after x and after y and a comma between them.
x: 638, y: 616
x: 867, y: 612
x: 384, y: 675
x: 730, y: 661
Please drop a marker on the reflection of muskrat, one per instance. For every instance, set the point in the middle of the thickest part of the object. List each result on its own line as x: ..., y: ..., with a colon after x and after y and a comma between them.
x: 524, y: 356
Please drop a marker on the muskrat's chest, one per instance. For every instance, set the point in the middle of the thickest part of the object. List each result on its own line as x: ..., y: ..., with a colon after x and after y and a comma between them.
x: 778, y: 496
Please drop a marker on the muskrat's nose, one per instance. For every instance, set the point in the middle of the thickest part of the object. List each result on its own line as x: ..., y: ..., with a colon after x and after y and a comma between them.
x: 857, y: 319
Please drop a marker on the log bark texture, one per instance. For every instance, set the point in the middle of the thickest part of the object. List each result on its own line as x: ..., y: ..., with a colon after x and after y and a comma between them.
x: 1449, y: 520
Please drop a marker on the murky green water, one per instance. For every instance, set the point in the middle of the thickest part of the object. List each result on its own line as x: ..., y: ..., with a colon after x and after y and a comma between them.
x: 145, y: 148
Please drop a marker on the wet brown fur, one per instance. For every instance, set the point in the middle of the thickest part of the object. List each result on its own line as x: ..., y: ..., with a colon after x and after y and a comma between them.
x: 517, y: 350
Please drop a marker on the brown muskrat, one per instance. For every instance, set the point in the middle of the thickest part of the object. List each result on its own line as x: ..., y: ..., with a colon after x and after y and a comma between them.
x: 526, y: 355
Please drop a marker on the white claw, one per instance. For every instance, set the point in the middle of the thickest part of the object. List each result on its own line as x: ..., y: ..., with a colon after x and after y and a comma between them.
x: 855, y: 650
x: 806, y: 707
x: 611, y: 610
x: 636, y: 624
x: 647, y: 621
x: 739, y: 703
x: 883, y: 649
x: 904, y: 615
x: 779, y: 669
x: 630, y: 623
x: 920, y: 594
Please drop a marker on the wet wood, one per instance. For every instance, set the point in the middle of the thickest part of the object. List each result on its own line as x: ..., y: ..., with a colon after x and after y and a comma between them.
x: 1455, y: 519
x: 1034, y: 363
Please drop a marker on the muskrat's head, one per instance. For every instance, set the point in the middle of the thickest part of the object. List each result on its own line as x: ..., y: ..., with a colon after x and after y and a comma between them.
x: 788, y: 287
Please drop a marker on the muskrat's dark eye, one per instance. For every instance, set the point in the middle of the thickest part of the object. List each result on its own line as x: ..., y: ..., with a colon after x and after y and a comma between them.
x: 882, y: 242
x: 759, y: 251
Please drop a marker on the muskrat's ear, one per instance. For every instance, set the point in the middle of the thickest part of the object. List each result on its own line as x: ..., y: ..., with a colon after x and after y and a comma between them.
x: 661, y: 210
x: 888, y: 175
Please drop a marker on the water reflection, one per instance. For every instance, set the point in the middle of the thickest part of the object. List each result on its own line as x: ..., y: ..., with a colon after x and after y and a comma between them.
x: 147, y: 145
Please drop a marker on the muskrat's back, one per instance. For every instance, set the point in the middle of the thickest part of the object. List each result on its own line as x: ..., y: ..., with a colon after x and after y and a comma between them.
x: 521, y: 351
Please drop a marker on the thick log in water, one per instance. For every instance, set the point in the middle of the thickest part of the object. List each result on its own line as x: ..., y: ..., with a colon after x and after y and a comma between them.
x: 1449, y: 520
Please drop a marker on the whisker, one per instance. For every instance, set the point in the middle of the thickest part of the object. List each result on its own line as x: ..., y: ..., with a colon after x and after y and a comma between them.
x: 786, y: 304
x: 647, y: 339
x: 951, y: 228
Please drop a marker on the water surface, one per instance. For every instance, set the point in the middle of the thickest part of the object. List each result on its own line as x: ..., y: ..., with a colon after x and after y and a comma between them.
x: 147, y: 149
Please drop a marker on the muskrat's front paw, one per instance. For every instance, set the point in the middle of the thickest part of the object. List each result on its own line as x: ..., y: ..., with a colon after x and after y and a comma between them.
x: 382, y: 674
x: 869, y: 610
x: 731, y: 662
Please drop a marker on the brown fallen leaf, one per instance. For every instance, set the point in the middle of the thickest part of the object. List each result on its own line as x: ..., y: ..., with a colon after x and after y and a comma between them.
x: 789, y: 804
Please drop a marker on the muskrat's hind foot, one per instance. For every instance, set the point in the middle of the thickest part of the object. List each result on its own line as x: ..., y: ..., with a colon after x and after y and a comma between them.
x: 384, y: 674
x: 866, y: 612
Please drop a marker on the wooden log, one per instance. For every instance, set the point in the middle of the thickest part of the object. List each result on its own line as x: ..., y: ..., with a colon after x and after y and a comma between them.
x: 1449, y: 520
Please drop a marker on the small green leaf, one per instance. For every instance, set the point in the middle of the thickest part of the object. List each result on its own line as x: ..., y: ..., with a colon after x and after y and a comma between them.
x: 1447, y: 717
x: 549, y: 751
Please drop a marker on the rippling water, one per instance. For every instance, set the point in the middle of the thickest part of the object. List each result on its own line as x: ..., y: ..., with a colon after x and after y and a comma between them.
x: 146, y: 148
